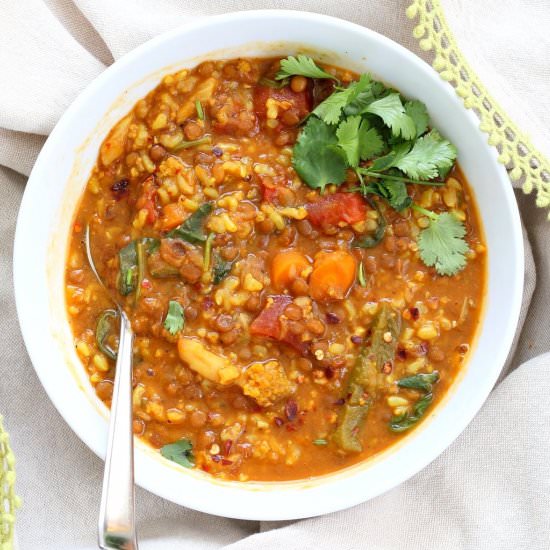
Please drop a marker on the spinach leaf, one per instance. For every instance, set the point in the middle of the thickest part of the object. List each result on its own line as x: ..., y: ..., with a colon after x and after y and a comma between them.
x: 180, y: 452
x: 422, y: 382
x: 103, y: 328
x: 191, y: 230
x: 127, y: 275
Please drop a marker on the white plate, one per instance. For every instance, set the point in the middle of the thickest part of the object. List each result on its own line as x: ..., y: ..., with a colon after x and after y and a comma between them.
x: 60, y: 175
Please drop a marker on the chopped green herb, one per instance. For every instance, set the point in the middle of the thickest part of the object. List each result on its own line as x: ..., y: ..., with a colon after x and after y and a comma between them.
x: 317, y: 158
x: 200, y: 110
x: 180, y: 452
x: 320, y: 442
x: 191, y: 230
x: 301, y: 65
x: 175, y: 319
x: 422, y: 382
x: 103, y: 328
x: 220, y: 270
x: 394, y: 192
x: 207, y: 258
x: 361, y: 275
x: 188, y: 144
x: 442, y: 244
x: 140, y: 257
x: 277, y: 84
x: 371, y: 241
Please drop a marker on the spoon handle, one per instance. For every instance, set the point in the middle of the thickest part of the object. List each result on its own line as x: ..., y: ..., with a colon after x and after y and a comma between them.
x: 117, y: 529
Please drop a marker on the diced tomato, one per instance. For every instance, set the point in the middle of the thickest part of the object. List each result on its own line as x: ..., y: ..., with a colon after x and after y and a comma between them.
x: 338, y: 207
x: 268, y: 323
x: 147, y: 199
x: 300, y: 101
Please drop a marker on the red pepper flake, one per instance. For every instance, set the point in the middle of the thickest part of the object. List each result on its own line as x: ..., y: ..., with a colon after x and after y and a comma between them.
x: 332, y: 318
x: 207, y: 303
x: 415, y: 313
x: 356, y: 339
x: 291, y: 409
x: 291, y: 427
x: 387, y: 367
x: 146, y: 284
x: 227, y: 447
x: 226, y: 462
x: 278, y: 421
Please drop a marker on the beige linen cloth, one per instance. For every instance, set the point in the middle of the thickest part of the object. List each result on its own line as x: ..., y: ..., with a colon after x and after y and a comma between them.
x: 490, y: 489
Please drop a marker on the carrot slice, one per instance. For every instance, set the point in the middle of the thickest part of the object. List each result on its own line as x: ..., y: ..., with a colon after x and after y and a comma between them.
x: 287, y: 266
x: 333, y: 275
x: 173, y: 215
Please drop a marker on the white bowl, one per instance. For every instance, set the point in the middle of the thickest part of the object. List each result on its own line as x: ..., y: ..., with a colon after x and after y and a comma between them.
x: 60, y: 175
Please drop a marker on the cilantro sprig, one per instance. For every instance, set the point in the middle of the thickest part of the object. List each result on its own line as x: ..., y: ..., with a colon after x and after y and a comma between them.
x: 301, y: 65
x: 387, y: 141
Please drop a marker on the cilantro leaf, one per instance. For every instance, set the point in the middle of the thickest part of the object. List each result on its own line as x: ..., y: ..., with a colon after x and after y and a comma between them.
x: 301, y: 65
x: 370, y: 142
x: 429, y: 155
x: 391, y: 111
x: 392, y: 158
x: 331, y: 109
x: 348, y: 138
x: 442, y: 243
x: 180, y: 452
x: 316, y: 156
x: 395, y: 193
x: 175, y: 319
x: 191, y: 229
x: 419, y: 114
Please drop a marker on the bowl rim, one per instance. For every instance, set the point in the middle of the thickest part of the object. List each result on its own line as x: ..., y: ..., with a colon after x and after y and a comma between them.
x: 252, y: 510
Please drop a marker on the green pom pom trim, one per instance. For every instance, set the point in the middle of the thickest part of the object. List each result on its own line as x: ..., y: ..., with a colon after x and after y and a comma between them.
x: 525, y: 164
x: 9, y: 502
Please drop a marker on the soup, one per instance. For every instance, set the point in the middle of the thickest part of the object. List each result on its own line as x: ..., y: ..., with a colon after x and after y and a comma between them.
x: 301, y: 260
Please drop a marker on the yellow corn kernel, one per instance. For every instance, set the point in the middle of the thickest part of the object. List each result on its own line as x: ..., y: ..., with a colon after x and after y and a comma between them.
x: 417, y: 365
x: 295, y: 213
x: 449, y: 197
x: 423, y: 222
x: 156, y: 410
x: 163, y: 196
x: 100, y: 362
x: 427, y: 332
x: 453, y: 183
x: 93, y: 186
x: 137, y: 395
x: 175, y: 416
x: 140, y: 219
x: 336, y: 348
x: 397, y: 401
x: 83, y: 349
x: 190, y: 205
x: 251, y: 284
x: 161, y: 120
x: 459, y: 215
x: 272, y: 109
x: 210, y: 192
x: 274, y: 216
x: 426, y: 198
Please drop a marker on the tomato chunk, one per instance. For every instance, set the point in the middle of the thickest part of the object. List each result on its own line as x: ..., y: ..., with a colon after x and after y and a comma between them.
x: 148, y: 199
x: 300, y: 102
x: 268, y: 323
x: 338, y: 207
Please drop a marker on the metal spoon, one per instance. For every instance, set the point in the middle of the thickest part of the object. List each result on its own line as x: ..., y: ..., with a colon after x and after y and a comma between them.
x: 117, y: 528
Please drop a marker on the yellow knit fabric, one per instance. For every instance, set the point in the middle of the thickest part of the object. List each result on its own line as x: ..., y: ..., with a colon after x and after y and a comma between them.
x: 8, y: 500
x: 524, y: 163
